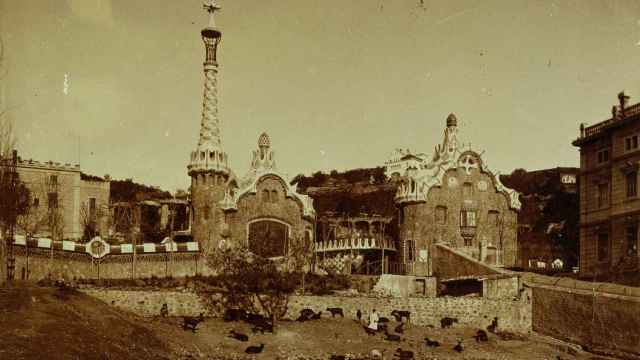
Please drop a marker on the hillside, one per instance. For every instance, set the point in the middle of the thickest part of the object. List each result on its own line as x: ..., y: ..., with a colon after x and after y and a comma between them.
x: 129, y: 191
x: 350, y: 192
x: 45, y: 323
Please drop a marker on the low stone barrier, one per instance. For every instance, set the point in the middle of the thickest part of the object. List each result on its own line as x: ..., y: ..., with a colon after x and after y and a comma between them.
x: 513, y: 315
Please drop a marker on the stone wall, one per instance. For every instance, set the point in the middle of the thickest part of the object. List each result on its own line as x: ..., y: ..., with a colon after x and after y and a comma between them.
x: 602, y: 317
x: 149, y: 302
x: 475, y: 312
x: 405, y: 286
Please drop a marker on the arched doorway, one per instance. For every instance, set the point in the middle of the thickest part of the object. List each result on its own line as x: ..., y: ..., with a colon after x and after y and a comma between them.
x: 268, y: 237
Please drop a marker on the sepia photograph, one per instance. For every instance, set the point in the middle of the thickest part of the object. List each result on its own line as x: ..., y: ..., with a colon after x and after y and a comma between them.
x: 319, y: 179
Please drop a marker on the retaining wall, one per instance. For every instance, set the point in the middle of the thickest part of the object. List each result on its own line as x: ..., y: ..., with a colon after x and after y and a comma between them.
x: 604, y: 318
x: 471, y: 311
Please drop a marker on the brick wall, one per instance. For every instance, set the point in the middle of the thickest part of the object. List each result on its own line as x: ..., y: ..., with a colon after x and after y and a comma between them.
x: 474, y: 312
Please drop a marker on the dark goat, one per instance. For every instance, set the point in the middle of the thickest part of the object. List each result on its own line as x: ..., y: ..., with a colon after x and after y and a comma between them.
x: 382, y: 327
x: 400, y: 328
x: 458, y: 347
x: 404, y: 354
x: 234, y: 315
x: 391, y: 337
x: 492, y: 327
x: 255, y: 318
x: 369, y: 331
x: 399, y: 314
x: 383, y: 320
x: 307, y: 313
x: 335, y: 311
x: 316, y: 316
x: 164, y: 310
x: 446, y: 322
x: 191, y: 322
x: 254, y: 349
x: 431, y: 343
x: 481, y: 336
x: 262, y: 326
x: 238, y: 336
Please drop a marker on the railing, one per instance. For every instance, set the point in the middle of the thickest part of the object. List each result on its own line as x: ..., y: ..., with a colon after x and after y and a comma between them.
x: 400, y: 268
x: 369, y: 268
x: 597, y: 128
x: 356, y: 243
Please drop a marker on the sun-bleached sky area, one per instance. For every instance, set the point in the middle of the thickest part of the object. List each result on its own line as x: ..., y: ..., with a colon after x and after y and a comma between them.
x: 116, y: 85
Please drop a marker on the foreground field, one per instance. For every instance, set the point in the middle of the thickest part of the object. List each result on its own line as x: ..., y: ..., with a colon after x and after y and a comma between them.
x: 44, y: 323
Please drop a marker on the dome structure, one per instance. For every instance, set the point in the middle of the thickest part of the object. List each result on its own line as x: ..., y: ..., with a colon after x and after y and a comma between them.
x: 263, y: 140
x: 452, y: 120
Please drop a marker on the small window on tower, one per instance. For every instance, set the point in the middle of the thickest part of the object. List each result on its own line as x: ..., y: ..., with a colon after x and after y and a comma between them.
x: 441, y: 215
x: 265, y: 195
x: 274, y: 196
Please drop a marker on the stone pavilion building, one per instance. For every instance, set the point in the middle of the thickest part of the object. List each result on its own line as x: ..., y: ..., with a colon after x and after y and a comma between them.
x: 260, y: 209
x: 453, y: 199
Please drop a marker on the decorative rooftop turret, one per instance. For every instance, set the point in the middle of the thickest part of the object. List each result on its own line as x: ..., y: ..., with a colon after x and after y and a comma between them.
x: 263, y: 158
x: 209, y: 155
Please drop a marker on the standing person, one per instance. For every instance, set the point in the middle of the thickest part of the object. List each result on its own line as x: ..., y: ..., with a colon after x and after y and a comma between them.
x: 373, y: 320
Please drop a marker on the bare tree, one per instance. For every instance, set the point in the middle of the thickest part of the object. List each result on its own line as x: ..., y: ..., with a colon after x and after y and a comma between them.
x: 300, y: 257
x: 39, y: 217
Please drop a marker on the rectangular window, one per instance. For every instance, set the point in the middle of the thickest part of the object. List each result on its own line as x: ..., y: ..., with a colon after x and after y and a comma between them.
x: 632, y: 184
x: 603, y: 195
x: 493, y: 218
x: 92, y: 208
x: 467, y: 218
x: 632, y: 240
x: 52, y: 200
x: 603, y: 156
x: 441, y: 215
x: 53, y: 179
x: 631, y: 143
x: 467, y: 189
x: 411, y: 250
x: 603, y: 246
x: 36, y: 202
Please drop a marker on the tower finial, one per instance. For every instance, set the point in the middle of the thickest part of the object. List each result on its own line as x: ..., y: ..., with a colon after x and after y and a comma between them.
x: 211, y: 7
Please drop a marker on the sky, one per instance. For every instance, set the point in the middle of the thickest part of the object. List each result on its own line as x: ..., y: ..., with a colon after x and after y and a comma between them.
x: 116, y: 85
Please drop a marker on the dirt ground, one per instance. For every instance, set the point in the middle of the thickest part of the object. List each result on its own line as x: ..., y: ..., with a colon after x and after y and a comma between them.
x: 43, y: 323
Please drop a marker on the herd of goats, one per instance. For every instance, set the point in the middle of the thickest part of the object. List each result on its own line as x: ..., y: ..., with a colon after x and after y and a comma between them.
x: 262, y: 324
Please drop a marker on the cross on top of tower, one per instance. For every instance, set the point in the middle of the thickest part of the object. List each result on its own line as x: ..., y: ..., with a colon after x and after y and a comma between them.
x: 211, y: 7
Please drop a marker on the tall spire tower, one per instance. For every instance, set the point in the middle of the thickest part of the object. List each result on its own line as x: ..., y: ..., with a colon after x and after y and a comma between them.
x: 209, y: 155
x: 208, y: 166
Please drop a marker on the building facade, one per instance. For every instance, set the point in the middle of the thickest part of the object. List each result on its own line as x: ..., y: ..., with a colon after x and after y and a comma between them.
x: 259, y: 210
x: 609, y: 202
x: 64, y: 202
x: 453, y: 199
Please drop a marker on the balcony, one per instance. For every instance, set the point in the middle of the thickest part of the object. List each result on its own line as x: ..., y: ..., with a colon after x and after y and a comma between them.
x: 598, y: 128
x: 356, y: 243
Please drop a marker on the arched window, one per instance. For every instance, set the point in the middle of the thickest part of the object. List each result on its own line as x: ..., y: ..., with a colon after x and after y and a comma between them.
x: 268, y: 238
x: 274, y: 196
x: 265, y: 195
